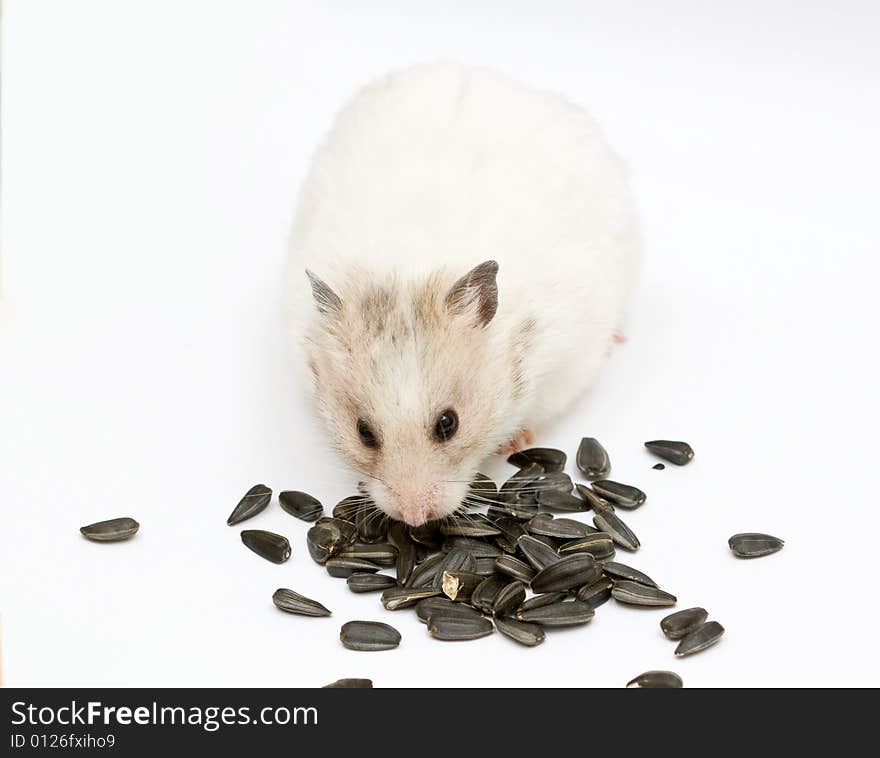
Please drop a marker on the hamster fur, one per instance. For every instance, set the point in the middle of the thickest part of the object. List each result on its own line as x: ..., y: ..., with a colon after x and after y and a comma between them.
x: 425, y: 175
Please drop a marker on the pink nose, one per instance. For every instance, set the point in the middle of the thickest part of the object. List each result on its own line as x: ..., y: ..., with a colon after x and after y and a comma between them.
x: 416, y: 516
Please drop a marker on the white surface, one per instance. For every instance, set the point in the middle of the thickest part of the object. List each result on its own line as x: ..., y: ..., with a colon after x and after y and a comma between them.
x: 151, y: 155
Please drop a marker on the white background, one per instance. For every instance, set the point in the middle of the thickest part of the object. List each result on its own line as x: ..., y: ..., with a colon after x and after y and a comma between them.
x: 151, y: 155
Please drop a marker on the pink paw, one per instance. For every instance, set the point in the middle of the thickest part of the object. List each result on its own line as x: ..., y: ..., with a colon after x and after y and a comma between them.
x: 618, y: 337
x: 520, y: 441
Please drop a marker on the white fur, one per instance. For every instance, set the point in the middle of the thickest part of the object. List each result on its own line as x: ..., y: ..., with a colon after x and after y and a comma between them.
x: 445, y: 166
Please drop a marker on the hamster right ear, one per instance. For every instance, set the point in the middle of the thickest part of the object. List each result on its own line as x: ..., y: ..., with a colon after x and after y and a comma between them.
x: 327, y: 300
x: 476, y: 291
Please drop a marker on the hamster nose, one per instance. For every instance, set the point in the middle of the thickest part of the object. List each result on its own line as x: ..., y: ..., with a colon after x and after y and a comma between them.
x: 416, y: 517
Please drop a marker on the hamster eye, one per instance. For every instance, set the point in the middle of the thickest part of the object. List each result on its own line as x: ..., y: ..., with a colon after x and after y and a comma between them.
x: 446, y: 425
x: 366, y: 434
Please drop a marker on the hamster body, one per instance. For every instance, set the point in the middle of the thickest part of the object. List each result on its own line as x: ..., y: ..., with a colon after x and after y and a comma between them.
x: 471, y: 246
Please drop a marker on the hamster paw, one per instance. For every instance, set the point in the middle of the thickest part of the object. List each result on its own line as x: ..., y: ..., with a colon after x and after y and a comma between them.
x: 523, y: 439
x: 618, y: 337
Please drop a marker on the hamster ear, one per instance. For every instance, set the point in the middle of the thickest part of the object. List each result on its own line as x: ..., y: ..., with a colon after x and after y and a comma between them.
x: 476, y: 291
x: 327, y: 300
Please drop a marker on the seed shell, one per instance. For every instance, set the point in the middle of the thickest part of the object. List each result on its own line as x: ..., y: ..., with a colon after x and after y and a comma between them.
x: 680, y: 624
x: 455, y: 560
x: 702, y: 637
x: 381, y: 553
x: 273, y: 547
x: 469, y: 527
x: 425, y: 572
x: 633, y: 593
x: 476, y: 547
x: 292, y: 602
x: 347, y: 508
x: 656, y: 680
x: 460, y: 585
x: 398, y: 535
x: 679, y: 453
x: 254, y: 501
x: 599, y: 545
x: 754, y: 545
x: 594, y: 501
x: 369, y: 636
x: 624, y: 495
x: 350, y: 684
x: 443, y: 606
x: 301, y: 504
x: 556, y: 500
x: 396, y: 598
x: 592, y: 460
x: 520, y: 631
x: 482, y: 488
x: 539, y: 601
x: 597, y: 593
x: 113, y: 530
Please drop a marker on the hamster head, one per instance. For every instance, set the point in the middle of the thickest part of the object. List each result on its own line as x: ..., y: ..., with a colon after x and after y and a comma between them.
x: 412, y: 382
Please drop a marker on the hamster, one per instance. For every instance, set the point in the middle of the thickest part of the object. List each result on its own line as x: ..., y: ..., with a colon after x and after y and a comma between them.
x: 462, y: 256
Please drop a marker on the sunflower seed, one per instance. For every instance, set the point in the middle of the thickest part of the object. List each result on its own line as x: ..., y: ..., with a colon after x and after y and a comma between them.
x: 678, y: 453
x: 634, y: 593
x: 272, y: 547
x: 658, y: 467
x: 395, y: 598
x: 624, y: 495
x: 398, y: 535
x: 509, y: 599
x: 656, y: 680
x: 593, y: 500
x: 301, y: 504
x: 485, y: 567
x: 482, y: 488
x: 455, y: 560
x: 424, y: 573
x: 456, y: 628
x: 428, y: 534
x: 567, y: 573
x: 522, y: 479
x: 556, y: 500
x: 678, y: 625
x: 114, y: 530
x: 443, y: 606
x: 460, y: 585
x: 342, y: 568
x: 539, y: 601
x: 702, y: 637
x: 486, y: 591
x: 372, y: 524
x: 592, y: 459
x: 555, y: 481
x: 254, y: 501
x: 599, y: 545
x: 567, y: 613
x: 520, y: 631
x: 514, y: 567
x: 537, y: 553
x: 548, y: 458
x: 350, y: 684
x: 366, y: 582
x: 369, y: 635
x: 560, y: 528
x: 347, y: 508
x: 380, y: 553
x: 476, y: 547
x: 292, y: 602
x: 597, y: 593
x: 622, y: 571
x: 328, y: 536
x: 469, y: 527
x: 516, y: 509
x: 754, y: 545
x: 622, y: 535
x: 511, y: 530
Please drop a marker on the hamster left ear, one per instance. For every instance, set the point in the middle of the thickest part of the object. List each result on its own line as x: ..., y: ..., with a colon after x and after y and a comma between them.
x: 476, y: 291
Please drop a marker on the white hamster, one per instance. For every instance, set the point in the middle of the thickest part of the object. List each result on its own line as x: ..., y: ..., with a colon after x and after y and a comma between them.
x: 471, y: 245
